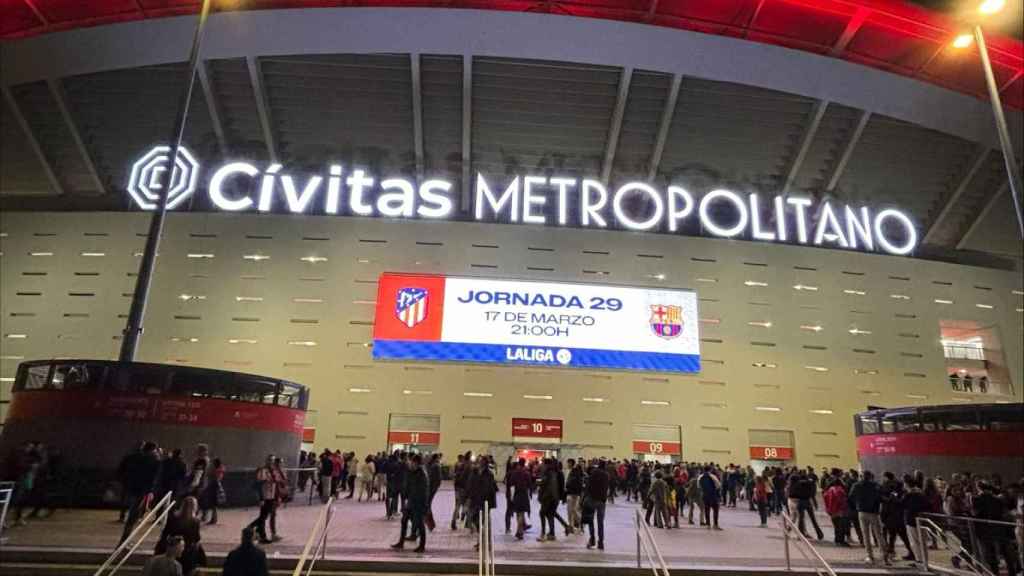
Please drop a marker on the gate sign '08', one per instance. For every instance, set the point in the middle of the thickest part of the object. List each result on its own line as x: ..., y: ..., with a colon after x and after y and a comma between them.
x: 445, y: 318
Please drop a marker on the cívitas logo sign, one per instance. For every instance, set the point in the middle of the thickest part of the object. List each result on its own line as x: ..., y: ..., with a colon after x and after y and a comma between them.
x: 530, y: 199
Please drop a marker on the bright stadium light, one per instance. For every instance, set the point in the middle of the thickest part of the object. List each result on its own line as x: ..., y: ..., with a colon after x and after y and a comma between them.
x: 991, y: 6
x: 963, y: 41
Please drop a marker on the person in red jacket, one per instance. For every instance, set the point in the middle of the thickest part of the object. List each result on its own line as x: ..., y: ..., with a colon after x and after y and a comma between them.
x: 836, y: 507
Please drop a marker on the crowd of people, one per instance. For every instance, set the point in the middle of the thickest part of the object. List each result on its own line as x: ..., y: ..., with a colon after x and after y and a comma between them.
x: 195, y: 488
x: 865, y: 511
x: 35, y: 470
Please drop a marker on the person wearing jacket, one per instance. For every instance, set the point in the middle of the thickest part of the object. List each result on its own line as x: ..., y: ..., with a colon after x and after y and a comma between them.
x: 416, y: 492
x: 836, y: 505
x: 915, y: 503
x: 460, y: 477
x: 141, y: 474
x: 269, y: 498
x: 246, y: 560
x: 892, y: 515
x: 710, y: 489
x: 759, y: 495
x: 801, y: 491
x: 519, y: 483
x: 573, y: 491
x: 549, y: 495
x: 994, y: 540
x: 659, y: 501
x: 696, y: 499
x: 867, y: 497
x: 595, y: 499
x: 481, y: 493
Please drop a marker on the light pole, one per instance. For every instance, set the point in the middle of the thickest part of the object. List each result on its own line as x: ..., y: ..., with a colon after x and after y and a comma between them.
x: 988, y: 8
x: 133, y: 328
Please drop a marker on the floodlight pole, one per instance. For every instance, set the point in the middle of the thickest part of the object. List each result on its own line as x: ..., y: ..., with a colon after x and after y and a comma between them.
x: 133, y: 328
x: 1012, y: 170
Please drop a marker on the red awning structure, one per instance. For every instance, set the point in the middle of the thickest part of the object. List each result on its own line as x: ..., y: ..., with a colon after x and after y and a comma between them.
x: 892, y: 36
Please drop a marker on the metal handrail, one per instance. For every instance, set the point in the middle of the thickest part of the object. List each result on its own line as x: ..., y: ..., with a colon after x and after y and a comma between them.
x: 969, y: 519
x: 155, y: 516
x: 317, y: 534
x: 6, y: 495
x: 924, y: 524
x: 485, y: 543
x: 645, y: 541
x: 787, y: 526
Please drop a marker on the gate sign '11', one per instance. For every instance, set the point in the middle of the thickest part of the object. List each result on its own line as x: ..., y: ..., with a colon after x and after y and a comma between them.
x: 425, y: 317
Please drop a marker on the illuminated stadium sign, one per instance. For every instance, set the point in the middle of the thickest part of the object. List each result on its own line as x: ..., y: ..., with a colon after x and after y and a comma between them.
x: 423, y: 317
x: 530, y: 199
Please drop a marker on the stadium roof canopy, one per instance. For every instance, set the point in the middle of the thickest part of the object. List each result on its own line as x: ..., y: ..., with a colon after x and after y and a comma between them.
x: 860, y: 100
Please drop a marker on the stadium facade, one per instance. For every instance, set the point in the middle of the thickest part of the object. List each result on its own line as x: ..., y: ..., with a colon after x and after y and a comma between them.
x: 845, y: 230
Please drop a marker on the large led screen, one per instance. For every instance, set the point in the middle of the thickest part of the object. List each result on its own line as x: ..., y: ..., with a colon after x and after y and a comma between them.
x: 446, y: 318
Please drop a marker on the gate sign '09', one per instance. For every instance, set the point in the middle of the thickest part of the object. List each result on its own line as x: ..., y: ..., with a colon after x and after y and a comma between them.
x: 446, y: 318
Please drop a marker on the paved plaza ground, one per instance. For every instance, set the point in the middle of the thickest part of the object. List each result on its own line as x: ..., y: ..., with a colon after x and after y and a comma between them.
x: 360, y: 532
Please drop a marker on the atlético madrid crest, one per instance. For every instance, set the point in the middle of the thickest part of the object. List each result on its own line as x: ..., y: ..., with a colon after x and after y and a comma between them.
x: 666, y: 321
x: 411, y: 305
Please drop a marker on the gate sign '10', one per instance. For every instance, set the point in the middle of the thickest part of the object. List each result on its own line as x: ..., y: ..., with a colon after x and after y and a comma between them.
x: 424, y: 317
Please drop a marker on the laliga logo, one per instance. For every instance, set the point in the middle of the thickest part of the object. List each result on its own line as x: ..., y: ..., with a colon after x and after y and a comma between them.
x: 147, y: 173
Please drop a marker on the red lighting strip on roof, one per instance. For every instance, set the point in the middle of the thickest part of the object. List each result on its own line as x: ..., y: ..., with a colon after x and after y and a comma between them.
x: 893, y: 36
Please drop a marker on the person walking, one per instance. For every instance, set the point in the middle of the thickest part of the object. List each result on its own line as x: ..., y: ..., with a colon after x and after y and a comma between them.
x: 573, y: 491
x: 433, y: 469
x: 367, y: 472
x: 266, y: 481
x: 214, y: 495
x: 867, y: 498
x: 804, y: 488
x: 141, y: 474
x: 759, y: 496
x: 914, y: 504
x: 548, y: 494
x: 520, y: 482
x: 893, y: 517
x: 659, y: 501
x: 994, y: 540
x: 710, y: 488
x: 482, y: 494
x: 415, y: 505
x: 836, y: 505
x: 460, y: 474
x: 696, y: 499
x: 247, y: 559
x: 326, y: 470
x: 173, y: 472
x: 596, y: 496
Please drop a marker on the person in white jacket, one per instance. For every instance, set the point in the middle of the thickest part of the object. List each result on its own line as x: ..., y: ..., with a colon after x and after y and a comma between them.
x: 367, y: 470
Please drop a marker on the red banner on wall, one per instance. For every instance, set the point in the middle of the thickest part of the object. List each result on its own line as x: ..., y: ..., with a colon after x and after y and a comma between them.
x: 657, y: 447
x: 995, y: 443
x: 536, y: 428
x: 411, y: 437
x: 177, y: 410
x: 770, y: 453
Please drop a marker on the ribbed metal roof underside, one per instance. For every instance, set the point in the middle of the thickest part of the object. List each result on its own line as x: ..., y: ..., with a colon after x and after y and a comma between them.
x: 552, y: 118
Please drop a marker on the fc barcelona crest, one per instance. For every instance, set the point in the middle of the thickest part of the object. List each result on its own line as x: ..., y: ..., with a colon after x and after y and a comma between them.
x: 411, y: 305
x: 666, y: 321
